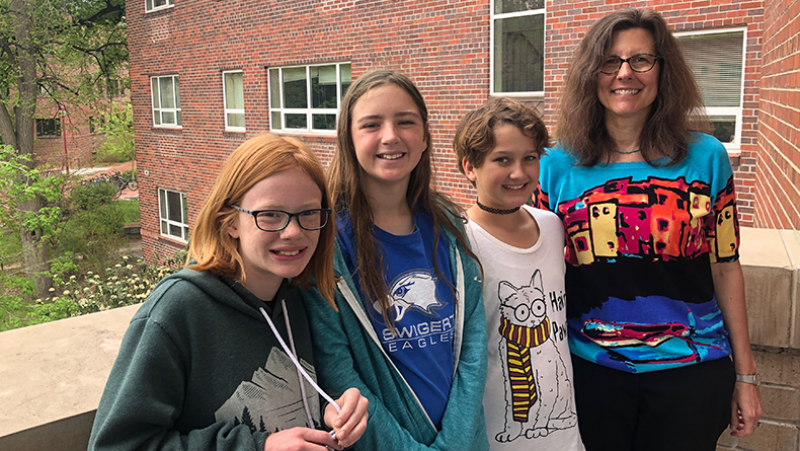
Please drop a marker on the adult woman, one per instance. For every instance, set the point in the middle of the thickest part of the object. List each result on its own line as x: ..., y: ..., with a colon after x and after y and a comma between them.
x: 656, y: 300
x: 203, y: 364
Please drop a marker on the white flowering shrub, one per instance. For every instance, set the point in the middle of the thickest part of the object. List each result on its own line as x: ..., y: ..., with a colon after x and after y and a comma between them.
x: 126, y: 283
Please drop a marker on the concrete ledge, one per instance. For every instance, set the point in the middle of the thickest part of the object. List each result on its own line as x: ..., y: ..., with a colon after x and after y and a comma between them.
x: 52, y: 376
x: 770, y: 260
x: 69, y: 434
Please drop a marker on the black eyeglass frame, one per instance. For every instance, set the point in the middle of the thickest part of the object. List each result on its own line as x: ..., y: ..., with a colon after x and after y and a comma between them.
x: 628, y: 60
x: 289, y: 217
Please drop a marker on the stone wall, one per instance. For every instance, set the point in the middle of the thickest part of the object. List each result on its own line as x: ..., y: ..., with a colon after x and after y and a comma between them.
x: 771, y: 261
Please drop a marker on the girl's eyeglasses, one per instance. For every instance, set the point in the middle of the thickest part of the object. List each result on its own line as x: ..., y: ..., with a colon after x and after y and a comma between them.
x: 277, y: 220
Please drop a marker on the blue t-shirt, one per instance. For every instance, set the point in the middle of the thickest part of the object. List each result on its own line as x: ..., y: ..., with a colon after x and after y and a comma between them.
x: 640, y: 240
x: 422, y: 306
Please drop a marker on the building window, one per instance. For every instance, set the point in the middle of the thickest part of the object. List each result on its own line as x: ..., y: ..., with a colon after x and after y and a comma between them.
x: 112, y: 88
x: 517, y: 47
x: 166, y: 101
x: 48, y: 127
x: 307, y: 98
x: 155, y: 5
x: 173, y: 214
x: 717, y: 58
x: 233, y: 92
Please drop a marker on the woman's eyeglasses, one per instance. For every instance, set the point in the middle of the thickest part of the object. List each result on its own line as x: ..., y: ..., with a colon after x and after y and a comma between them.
x: 277, y: 220
x: 643, y: 62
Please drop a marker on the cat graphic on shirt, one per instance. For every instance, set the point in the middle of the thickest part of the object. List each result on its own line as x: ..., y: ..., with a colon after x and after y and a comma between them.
x: 538, y: 391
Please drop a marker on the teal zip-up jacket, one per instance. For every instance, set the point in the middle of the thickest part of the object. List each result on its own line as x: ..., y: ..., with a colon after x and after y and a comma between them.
x: 348, y: 354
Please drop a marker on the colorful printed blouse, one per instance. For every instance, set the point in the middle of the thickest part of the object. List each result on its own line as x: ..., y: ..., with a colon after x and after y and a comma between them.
x: 640, y: 240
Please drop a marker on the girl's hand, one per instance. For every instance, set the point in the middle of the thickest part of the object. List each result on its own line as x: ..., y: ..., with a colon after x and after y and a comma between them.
x: 300, y: 439
x: 745, y: 409
x: 351, y: 422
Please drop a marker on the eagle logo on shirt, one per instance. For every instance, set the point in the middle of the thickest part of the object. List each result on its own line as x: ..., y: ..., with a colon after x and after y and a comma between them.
x: 414, y: 289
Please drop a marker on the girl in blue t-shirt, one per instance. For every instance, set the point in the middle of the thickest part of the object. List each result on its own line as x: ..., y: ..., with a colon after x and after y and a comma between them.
x: 410, y: 328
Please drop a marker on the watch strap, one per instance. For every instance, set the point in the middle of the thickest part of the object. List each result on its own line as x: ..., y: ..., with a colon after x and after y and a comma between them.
x: 748, y: 379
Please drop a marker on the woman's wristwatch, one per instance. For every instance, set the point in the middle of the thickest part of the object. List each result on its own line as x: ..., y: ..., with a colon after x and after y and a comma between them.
x: 749, y: 379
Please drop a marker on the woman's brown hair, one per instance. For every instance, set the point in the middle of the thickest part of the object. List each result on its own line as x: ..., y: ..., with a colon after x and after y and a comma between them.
x: 676, y: 111
x: 344, y: 179
x: 213, y: 249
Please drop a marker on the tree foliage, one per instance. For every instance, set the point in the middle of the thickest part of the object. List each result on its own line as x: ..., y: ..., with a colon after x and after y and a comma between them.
x: 77, y: 46
x: 19, y: 184
x: 62, y: 48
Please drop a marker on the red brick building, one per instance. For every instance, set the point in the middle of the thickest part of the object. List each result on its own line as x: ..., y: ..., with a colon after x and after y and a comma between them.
x: 206, y: 75
x: 777, y: 199
x: 67, y: 131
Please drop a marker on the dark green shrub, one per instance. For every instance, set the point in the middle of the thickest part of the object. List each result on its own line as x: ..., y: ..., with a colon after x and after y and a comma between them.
x: 89, y: 194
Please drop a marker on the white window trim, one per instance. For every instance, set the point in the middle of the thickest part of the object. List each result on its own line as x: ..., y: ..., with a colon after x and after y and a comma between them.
x: 736, y: 145
x: 184, y: 227
x: 170, y: 4
x: 160, y: 109
x: 225, y: 102
x: 307, y: 111
x: 494, y: 17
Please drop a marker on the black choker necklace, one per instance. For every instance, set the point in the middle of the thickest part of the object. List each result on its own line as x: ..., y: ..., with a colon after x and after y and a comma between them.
x: 496, y: 211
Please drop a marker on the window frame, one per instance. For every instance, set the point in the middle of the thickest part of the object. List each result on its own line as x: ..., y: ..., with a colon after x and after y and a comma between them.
x: 165, y: 222
x: 737, y: 112
x: 170, y: 4
x: 308, y: 111
x: 493, y: 18
x: 176, y: 100
x: 58, y: 127
x: 225, y: 108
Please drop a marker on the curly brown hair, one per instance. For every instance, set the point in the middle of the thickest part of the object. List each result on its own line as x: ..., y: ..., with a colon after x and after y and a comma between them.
x: 474, y: 137
x: 676, y: 111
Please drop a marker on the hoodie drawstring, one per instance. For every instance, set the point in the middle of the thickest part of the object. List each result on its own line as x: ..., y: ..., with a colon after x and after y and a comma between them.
x: 293, y: 356
x: 294, y: 352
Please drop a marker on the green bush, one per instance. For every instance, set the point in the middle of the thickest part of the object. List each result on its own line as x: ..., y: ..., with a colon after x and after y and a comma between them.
x: 94, y: 235
x: 90, y: 194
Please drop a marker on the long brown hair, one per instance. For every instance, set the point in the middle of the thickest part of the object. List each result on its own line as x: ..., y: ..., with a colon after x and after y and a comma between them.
x: 344, y: 179
x: 213, y: 249
x: 676, y: 111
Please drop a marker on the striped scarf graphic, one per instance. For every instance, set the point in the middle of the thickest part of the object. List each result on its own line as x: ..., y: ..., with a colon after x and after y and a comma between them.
x: 520, y: 372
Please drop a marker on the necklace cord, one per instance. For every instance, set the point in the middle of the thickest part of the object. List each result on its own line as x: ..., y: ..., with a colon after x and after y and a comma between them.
x: 625, y: 152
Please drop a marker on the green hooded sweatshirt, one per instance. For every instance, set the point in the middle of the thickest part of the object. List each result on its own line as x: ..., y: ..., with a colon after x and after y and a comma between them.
x: 199, y: 369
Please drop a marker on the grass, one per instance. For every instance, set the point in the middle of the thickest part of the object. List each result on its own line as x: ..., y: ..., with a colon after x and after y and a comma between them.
x: 130, y: 210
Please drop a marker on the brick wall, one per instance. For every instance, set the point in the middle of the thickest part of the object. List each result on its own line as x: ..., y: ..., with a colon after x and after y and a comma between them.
x: 778, y: 176
x: 443, y: 45
x: 567, y: 23
x: 79, y: 142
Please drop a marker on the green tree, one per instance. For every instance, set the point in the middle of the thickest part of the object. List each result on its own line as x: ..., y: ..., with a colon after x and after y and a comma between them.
x: 118, y: 130
x: 64, y: 44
